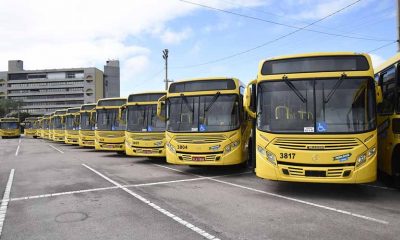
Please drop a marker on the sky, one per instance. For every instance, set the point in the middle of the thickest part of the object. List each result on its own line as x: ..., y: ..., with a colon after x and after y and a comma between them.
x: 201, y: 40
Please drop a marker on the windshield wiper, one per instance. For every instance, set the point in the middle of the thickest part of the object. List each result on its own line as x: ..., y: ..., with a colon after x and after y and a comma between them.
x: 213, y: 100
x: 294, y: 89
x: 186, y: 102
x: 337, y: 85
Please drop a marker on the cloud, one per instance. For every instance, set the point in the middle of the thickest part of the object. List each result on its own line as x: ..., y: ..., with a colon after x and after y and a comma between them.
x: 171, y: 37
x: 376, y: 60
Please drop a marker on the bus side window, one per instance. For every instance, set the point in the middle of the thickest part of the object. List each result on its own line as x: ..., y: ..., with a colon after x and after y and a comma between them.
x: 388, y: 84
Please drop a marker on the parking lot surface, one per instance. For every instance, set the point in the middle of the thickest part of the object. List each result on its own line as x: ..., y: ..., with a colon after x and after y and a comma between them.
x: 57, y: 191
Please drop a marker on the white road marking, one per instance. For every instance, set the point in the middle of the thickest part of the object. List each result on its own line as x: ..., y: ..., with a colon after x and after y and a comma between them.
x: 56, y: 148
x: 287, y: 198
x: 102, y: 189
x: 19, y: 145
x: 6, y: 199
x: 156, y: 207
x: 381, y: 187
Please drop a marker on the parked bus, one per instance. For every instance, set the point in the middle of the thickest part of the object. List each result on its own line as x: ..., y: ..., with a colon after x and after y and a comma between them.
x: 30, y: 129
x: 87, y: 124
x: 145, y: 131
x: 9, y: 127
x: 58, y: 125
x: 387, y: 76
x: 109, y: 130
x: 316, y: 118
x: 206, y: 123
x: 37, y: 127
x: 72, y: 118
x: 46, y: 126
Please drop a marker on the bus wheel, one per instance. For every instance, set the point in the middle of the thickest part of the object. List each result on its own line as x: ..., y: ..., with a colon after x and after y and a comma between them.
x: 121, y: 153
x: 251, y: 161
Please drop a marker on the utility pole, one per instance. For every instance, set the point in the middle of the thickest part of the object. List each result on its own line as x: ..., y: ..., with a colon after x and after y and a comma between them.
x: 398, y: 25
x: 165, y: 56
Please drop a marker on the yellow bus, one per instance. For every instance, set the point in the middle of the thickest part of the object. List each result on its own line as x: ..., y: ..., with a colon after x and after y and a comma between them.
x: 387, y: 76
x: 206, y: 122
x: 30, y: 128
x: 58, y: 126
x: 87, y: 124
x: 109, y: 129
x: 145, y: 131
x: 46, y: 127
x: 316, y: 118
x: 41, y: 128
x: 37, y: 127
x: 72, y: 118
x: 9, y: 127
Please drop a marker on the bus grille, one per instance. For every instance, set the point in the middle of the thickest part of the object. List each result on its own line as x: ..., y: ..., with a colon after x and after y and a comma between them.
x: 111, y: 135
x: 319, y: 144
x: 147, y: 151
x: 186, y: 157
x: 199, y: 139
x: 298, y: 171
x: 148, y: 138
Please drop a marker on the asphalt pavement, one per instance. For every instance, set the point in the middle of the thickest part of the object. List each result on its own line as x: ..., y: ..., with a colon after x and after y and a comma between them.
x: 56, y: 191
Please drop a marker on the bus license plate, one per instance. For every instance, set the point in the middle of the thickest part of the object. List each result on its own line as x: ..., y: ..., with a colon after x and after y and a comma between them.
x: 198, y: 159
x: 147, y: 151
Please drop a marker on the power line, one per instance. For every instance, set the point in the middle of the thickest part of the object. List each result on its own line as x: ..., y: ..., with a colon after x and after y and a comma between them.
x: 288, y: 25
x: 263, y: 44
x: 306, y: 22
x: 383, y: 46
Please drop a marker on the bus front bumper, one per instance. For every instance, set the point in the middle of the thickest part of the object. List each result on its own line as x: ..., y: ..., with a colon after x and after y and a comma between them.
x: 110, y: 146
x: 347, y: 174
x: 138, y: 151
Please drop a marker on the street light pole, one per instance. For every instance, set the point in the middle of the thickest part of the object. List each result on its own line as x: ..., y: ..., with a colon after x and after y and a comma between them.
x: 165, y: 56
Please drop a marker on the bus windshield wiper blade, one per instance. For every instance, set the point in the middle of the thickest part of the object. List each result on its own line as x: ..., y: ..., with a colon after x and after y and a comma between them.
x: 294, y: 89
x: 337, y: 85
x: 186, y: 102
x: 213, y: 100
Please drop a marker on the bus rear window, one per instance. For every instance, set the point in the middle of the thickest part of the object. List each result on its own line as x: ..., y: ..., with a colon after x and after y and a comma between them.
x: 202, y: 85
x: 315, y: 64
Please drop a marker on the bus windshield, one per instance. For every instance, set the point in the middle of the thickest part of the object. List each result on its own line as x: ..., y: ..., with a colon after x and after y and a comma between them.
x: 143, y: 118
x: 107, y: 120
x: 86, y: 122
x: 215, y: 113
x: 71, y: 123
x: 326, y: 106
x: 9, y: 125
x: 57, y: 123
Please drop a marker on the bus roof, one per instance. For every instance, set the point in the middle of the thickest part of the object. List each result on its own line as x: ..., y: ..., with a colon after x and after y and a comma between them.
x: 73, y: 110
x: 145, y: 96
x: 88, y: 106
x: 207, y: 87
x: 389, y: 62
x: 318, y: 62
x: 118, y: 102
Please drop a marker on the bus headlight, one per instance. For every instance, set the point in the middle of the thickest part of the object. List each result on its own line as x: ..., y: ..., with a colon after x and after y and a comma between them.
x: 361, y: 159
x: 231, y: 146
x: 267, y: 154
x: 170, y: 147
x: 371, y: 152
x: 365, y: 156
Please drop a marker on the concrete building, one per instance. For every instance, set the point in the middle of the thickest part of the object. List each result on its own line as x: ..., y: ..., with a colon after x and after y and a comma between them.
x: 44, y: 91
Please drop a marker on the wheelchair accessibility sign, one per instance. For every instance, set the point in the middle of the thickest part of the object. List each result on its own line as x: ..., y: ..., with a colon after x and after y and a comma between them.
x: 322, y: 127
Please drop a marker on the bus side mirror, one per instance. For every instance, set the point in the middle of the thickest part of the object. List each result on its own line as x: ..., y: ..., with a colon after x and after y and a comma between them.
x: 62, y: 120
x: 379, y: 96
x: 160, y: 103
x: 120, y: 112
x: 247, y: 99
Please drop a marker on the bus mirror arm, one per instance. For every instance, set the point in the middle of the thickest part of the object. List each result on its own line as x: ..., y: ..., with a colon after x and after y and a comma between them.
x: 160, y: 102
x: 247, y: 99
x: 378, y: 91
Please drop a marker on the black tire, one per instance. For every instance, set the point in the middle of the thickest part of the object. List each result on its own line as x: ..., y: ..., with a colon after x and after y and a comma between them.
x: 251, y: 161
x: 121, y: 153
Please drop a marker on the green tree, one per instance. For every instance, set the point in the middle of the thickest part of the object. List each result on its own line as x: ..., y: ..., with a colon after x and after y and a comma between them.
x: 7, y: 105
